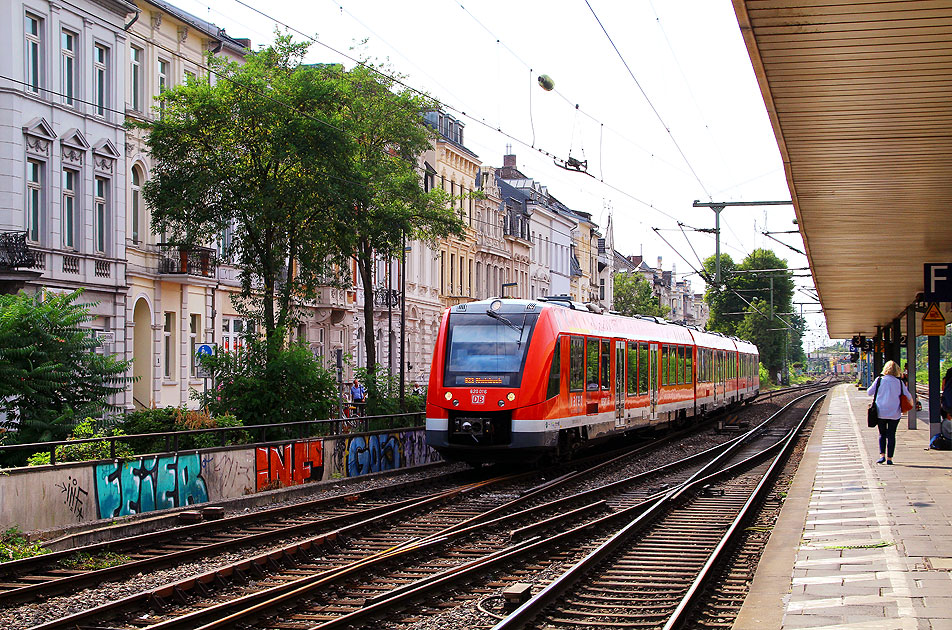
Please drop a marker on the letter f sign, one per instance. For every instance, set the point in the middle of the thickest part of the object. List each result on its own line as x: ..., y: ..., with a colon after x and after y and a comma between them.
x: 936, y: 275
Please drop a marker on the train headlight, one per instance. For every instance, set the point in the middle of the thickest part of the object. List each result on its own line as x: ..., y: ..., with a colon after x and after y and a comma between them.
x: 495, y: 305
x: 448, y: 395
x: 510, y: 397
x: 502, y: 403
x: 456, y: 403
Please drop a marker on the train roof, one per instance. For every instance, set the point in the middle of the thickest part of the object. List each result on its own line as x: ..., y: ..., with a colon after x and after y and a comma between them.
x: 575, y: 317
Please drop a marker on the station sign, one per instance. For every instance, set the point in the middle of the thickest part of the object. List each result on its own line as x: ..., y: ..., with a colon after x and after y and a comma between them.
x: 937, y: 282
x: 933, y: 323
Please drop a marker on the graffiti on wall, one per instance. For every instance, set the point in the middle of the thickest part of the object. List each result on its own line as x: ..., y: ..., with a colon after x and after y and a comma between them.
x: 223, y: 472
x: 379, y: 452
x: 288, y: 464
x: 74, y: 496
x: 149, y: 483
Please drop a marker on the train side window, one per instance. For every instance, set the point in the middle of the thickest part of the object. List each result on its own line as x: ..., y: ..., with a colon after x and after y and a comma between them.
x: 555, y: 371
x: 631, y: 358
x: 689, y: 365
x: 673, y: 366
x: 682, y: 379
x: 606, y: 358
x: 664, y: 365
x: 576, y: 364
x: 643, y: 368
x: 591, y: 364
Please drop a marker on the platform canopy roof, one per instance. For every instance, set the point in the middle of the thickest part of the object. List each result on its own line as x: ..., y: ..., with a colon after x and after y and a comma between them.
x: 860, y: 98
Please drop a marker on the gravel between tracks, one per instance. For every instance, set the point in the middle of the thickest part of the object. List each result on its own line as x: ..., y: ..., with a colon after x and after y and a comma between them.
x: 20, y: 617
x: 28, y: 615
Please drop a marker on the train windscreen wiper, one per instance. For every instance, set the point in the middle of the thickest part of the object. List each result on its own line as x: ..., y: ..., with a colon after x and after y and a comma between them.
x: 505, y: 321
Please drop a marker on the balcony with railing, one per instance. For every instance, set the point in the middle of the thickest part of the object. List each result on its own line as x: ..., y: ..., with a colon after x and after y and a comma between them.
x: 191, y: 261
x: 17, y: 262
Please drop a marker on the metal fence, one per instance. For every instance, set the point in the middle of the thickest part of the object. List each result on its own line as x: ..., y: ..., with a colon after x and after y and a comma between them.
x: 243, y: 435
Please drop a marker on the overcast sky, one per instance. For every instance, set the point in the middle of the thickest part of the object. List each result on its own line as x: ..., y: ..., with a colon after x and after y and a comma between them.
x: 684, y: 120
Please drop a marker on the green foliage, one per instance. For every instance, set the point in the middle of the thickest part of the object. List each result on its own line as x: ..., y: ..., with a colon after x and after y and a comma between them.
x: 263, y: 383
x: 390, y: 202
x: 50, y: 373
x: 190, y: 420
x: 633, y: 296
x: 741, y: 306
x: 15, y: 546
x: 86, y: 451
x: 765, y: 381
x: 92, y: 562
x: 263, y: 152
x: 156, y: 420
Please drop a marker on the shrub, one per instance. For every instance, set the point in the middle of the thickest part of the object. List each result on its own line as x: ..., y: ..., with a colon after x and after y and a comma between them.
x: 86, y: 451
x: 156, y: 420
x: 190, y: 420
x: 265, y: 383
x: 15, y: 546
x: 50, y: 374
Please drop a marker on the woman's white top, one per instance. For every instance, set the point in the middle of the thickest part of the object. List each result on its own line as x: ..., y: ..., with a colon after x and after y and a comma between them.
x: 886, y: 390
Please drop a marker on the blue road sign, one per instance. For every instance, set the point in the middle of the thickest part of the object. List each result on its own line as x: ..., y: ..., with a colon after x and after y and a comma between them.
x: 205, y: 348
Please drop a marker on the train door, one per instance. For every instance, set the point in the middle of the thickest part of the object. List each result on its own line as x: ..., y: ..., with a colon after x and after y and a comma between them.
x: 716, y: 373
x: 653, y: 382
x: 619, y: 383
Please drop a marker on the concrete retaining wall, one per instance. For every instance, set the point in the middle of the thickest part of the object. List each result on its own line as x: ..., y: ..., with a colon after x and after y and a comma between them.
x: 48, y: 497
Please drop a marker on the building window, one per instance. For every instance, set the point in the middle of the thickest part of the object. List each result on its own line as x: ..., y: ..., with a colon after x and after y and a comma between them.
x: 169, y: 345
x: 163, y: 83
x: 68, y: 54
x: 136, y: 201
x: 101, y: 213
x: 33, y: 28
x: 194, y: 327
x: 100, y: 55
x: 34, y: 199
x: 69, y: 208
x: 233, y: 331
x: 601, y: 289
x: 136, y: 78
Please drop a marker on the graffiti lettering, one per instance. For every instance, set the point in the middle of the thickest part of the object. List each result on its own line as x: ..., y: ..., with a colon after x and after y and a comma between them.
x: 289, y: 464
x: 150, y: 483
x: 362, y: 454
x: 75, y: 496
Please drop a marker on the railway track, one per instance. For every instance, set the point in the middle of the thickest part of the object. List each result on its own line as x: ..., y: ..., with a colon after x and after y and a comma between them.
x: 343, y: 578
x: 650, y: 573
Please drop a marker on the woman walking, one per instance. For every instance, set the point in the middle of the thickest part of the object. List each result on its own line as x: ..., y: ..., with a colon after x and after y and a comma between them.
x: 886, y: 391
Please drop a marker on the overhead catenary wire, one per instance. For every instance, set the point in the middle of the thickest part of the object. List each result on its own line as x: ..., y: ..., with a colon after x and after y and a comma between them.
x: 645, y: 94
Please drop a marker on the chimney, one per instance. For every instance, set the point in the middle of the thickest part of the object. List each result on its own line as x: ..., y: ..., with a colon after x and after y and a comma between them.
x: 659, y: 263
x: 509, y: 160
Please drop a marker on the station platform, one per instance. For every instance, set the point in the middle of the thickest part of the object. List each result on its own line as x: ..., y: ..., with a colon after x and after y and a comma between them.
x: 859, y: 545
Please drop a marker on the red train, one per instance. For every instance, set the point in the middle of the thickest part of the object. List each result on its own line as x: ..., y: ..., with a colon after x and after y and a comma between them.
x: 516, y: 380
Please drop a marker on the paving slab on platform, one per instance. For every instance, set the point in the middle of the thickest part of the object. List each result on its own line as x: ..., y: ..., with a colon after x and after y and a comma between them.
x: 859, y: 545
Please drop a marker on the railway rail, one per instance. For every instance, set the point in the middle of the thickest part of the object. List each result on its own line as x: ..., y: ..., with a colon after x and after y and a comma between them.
x: 415, y: 556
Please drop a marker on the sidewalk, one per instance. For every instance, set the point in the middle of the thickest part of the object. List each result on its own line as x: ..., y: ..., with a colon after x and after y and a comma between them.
x: 859, y: 545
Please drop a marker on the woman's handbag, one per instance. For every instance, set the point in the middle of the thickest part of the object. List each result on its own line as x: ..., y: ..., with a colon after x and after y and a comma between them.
x: 905, y: 402
x: 872, y: 415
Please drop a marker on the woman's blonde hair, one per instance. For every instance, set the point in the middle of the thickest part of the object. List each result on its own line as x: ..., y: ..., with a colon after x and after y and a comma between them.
x: 892, y: 369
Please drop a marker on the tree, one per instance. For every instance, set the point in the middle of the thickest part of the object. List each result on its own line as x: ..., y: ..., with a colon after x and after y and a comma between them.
x: 633, y: 296
x: 747, y: 304
x: 50, y: 374
x: 260, y: 152
x: 391, y: 206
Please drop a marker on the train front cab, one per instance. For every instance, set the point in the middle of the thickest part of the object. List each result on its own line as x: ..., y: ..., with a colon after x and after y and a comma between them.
x: 487, y: 389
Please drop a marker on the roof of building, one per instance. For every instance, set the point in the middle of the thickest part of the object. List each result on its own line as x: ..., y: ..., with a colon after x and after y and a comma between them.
x: 238, y: 46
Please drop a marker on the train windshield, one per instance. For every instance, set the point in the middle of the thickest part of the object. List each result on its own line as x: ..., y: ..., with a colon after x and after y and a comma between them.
x: 487, y: 351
